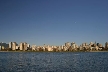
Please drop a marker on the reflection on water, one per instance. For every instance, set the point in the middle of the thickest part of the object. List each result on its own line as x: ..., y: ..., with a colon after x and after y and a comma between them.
x: 53, y: 62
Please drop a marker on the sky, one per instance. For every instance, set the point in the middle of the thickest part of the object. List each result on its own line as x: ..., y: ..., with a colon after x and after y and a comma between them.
x: 54, y: 22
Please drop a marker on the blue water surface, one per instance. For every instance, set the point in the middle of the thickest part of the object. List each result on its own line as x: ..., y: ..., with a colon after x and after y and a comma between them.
x: 53, y: 61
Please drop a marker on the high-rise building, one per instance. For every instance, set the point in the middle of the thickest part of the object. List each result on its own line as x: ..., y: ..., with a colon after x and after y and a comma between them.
x: 0, y: 47
x: 106, y: 45
x: 10, y: 45
x: 14, y: 46
x: 25, y: 46
x: 61, y: 46
x: 21, y: 46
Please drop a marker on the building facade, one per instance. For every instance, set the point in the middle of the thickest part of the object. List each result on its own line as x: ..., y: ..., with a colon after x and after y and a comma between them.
x: 25, y: 46
x: 21, y: 46
x: 10, y: 45
x: 67, y: 44
x: 14, y: 46
x: 106, y: 45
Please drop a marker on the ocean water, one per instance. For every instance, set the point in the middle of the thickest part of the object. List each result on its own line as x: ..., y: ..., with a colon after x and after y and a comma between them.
x: 53, y: 61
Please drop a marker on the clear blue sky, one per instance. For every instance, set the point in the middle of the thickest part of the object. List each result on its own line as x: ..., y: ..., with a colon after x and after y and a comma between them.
x: 54, y: 22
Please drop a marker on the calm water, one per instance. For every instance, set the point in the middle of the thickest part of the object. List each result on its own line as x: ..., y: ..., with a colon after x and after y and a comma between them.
x: 53, y: 62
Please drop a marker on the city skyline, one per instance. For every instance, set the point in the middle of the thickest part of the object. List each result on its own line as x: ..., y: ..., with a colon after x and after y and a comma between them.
x: 64, y: 44
x: 54, y: 22
x: 68, y: 46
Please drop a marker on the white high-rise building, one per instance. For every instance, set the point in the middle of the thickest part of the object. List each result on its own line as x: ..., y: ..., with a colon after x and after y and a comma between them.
x: 25, y: 46
x: 61, y: 46
x: 21, y: 46
x: 10, y: 44
x: 14, y: 46
x: 0, y: 47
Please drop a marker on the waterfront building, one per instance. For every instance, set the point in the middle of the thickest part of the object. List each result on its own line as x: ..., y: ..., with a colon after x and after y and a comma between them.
x: 52, y: 46
x: 95, y: 44
x: 4, y: 44
x: 10, y: 45
x: 21, y: 46
x: 83, y: 45
x: 50, y: 49
x: 92, y: 48
x: 97, y: 48
x: 55, y: 46
x: 73, y: 45
x: 100, y: 45
x: 3, y: 47
x: 87, y: 47
x: 106, y: 45
x: 34, y: 47
x: 67, y: 44
x: 91, y: 44
x: 65, y: 48
x: 25, y: 46
x: 14, y: 46
x: 76, y: 46
x: 48, y: 46
x: 17, y: 47
x: 43, y: 48
x: 0, y: 47
x: 1, y: 44
x: 28, y: 45
x: 61, y: 46
x: 81, y: 48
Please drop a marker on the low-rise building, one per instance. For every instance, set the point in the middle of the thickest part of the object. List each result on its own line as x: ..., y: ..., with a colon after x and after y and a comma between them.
x: 33, y: 47
x: 17, y: 47
x: 50, y: 49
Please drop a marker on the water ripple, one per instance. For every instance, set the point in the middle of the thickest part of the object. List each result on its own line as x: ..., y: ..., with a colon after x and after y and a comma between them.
x: 53, y: 62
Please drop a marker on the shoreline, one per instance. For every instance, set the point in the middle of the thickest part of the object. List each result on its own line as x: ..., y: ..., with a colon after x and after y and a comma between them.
x: 53, y: 51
